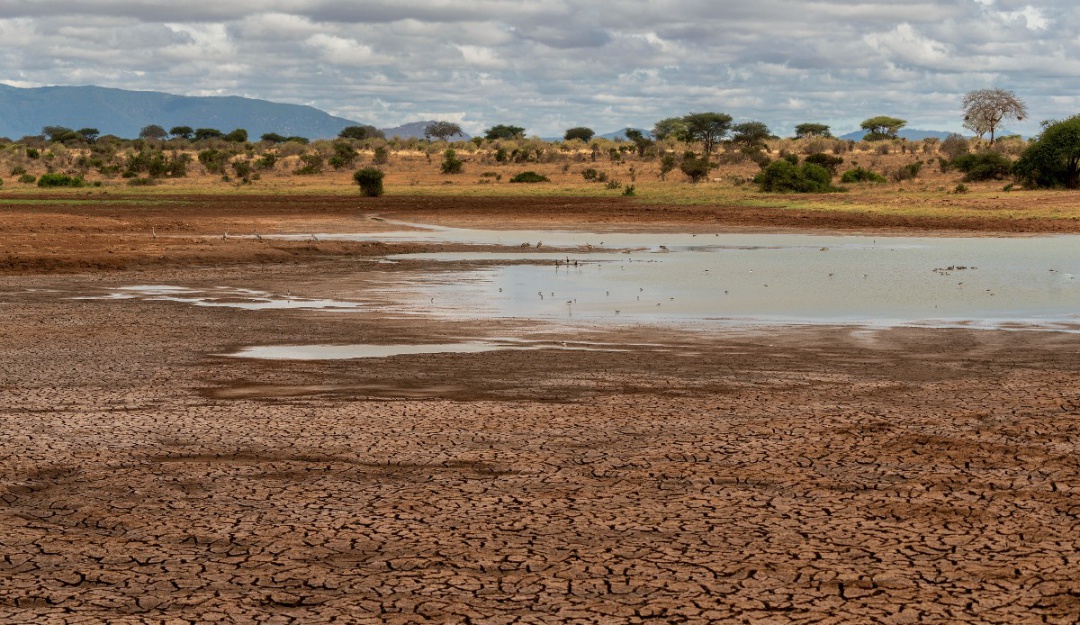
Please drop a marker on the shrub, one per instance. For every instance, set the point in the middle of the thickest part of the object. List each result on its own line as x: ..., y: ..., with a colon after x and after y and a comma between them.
x: 18, y: 171
x: 783, y: 176
x: 370, y: 181
x: 983, y: 166
x: 696, y: 169
x: 382, y: 155
x: 266, y: 161
x: 27, y: 179
x: 344, y: 155
x: 861, y: 175
x: 589, y: 175
x: 826, y: 161
x: 667, y: 164
x: 529, y: 177
x: 60, y: 180
x: 953, y: 146
x: 242, y: 170
x: 214, y: 160
x: 907, y: 172
x: 141, y: 182
x: 628, y: 191
x: 451, y: 163
x: 312, y: 164
x: 614, y: 184
x: 32, y: 153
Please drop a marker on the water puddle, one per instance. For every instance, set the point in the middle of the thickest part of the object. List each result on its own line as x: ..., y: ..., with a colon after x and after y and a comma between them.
x: 758, y: 278
x: 702, y: 279
x: 227, y: 297
x: 355, y: 351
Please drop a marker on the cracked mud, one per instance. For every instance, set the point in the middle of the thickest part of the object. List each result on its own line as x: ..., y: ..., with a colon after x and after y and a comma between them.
x: 804, y: 475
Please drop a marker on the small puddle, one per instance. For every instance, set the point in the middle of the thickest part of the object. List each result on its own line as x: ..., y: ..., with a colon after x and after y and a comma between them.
x: 225, y: 297
x: 354, y: 351
x: 348, y: 352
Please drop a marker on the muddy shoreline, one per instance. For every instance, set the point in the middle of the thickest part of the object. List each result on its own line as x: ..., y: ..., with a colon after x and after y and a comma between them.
x: 826, y: 474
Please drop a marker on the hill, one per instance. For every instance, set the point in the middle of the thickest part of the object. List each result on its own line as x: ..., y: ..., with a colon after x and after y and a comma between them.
x: 123, y: 113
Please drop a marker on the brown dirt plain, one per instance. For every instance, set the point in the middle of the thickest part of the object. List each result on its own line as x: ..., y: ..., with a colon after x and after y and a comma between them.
x: 824, y: 475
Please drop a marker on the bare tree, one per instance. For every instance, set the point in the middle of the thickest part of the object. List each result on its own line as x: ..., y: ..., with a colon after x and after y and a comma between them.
x: 985, y: 109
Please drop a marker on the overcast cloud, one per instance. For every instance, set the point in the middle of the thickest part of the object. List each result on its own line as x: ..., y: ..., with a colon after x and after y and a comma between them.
x: 549, y: 65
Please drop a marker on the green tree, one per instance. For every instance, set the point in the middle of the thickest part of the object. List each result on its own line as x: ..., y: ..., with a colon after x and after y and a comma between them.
x: 360, y: 133
x: 670, y: 128
x: 502, y: 131
x: 812, y: 130
x: 985, y: 109
x: 88, y: 134
x: 202, y: 134
x: 881, y: 127
x: 708, y: 129
x: 640, y: 141
x: 579, y: 132
x: 237, y: 136
x: 442, y: 130
x: 183, y: 132
x: 273, y: 137
x: 750, y: 135
x: 1053, y: 160
x: 59, y: 134
x: 153, y: 131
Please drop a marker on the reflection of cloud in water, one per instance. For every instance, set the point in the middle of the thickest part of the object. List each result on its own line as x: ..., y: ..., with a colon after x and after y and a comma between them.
x: 227, y: 297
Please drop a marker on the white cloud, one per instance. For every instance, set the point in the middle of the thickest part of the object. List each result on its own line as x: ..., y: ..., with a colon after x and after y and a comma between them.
x: 543, y: 63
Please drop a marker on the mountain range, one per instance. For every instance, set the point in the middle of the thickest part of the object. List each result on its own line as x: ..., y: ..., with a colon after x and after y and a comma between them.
x: 124, y: 113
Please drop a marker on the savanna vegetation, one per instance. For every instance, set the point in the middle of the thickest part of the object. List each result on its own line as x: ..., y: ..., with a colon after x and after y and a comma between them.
x: 700, y: 157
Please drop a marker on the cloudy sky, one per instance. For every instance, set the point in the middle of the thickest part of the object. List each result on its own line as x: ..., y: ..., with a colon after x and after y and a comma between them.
x: 549, y: 65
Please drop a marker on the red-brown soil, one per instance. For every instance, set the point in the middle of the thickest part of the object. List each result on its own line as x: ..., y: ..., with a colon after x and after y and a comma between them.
x: 813, y: 475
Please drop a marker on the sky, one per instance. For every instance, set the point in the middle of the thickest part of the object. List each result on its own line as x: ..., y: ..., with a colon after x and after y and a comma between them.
x: 549, y: 65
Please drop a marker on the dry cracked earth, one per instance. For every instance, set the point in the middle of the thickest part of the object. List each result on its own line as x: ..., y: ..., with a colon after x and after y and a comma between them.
x: 827, y: 475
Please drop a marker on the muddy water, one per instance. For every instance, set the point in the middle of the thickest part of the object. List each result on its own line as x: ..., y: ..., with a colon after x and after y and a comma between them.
x: 772, y: 279
x: 720, y: 278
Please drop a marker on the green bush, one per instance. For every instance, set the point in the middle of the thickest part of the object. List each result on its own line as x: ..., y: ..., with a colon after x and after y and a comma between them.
x: 142, y: 182
x: 370, y: 181
x: 529, y: 177
x: 983, y: 166
x: 826, y: 161
x: 451, y: 163
x: 60, y: 180
x: 312, y: 164
x: 861, y: 175
x: 783, y: 176
x: 589, y: 175
x: 696, y: 169
x: 382, y: 155
x: 27, y: 179
x: 907, y: 172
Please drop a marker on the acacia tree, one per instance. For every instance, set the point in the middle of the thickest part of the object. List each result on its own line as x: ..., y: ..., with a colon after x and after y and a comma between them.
x: 153, y: 131
x: 882, y: 127
x: 750, y: 135
x: 442, y: 130
x: 812, y: 130
x: 708, y: 128
x: 183, y: 132
x: 671, y: 127
x: 504, y: 132
x: 985, y: 109
x: 579, y: 132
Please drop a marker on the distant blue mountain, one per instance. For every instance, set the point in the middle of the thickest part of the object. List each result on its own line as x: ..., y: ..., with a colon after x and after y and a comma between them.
x: 124, y: 113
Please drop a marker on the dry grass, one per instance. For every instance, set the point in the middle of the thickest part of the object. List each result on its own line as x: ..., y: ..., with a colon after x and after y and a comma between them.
x: 932, y: 194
